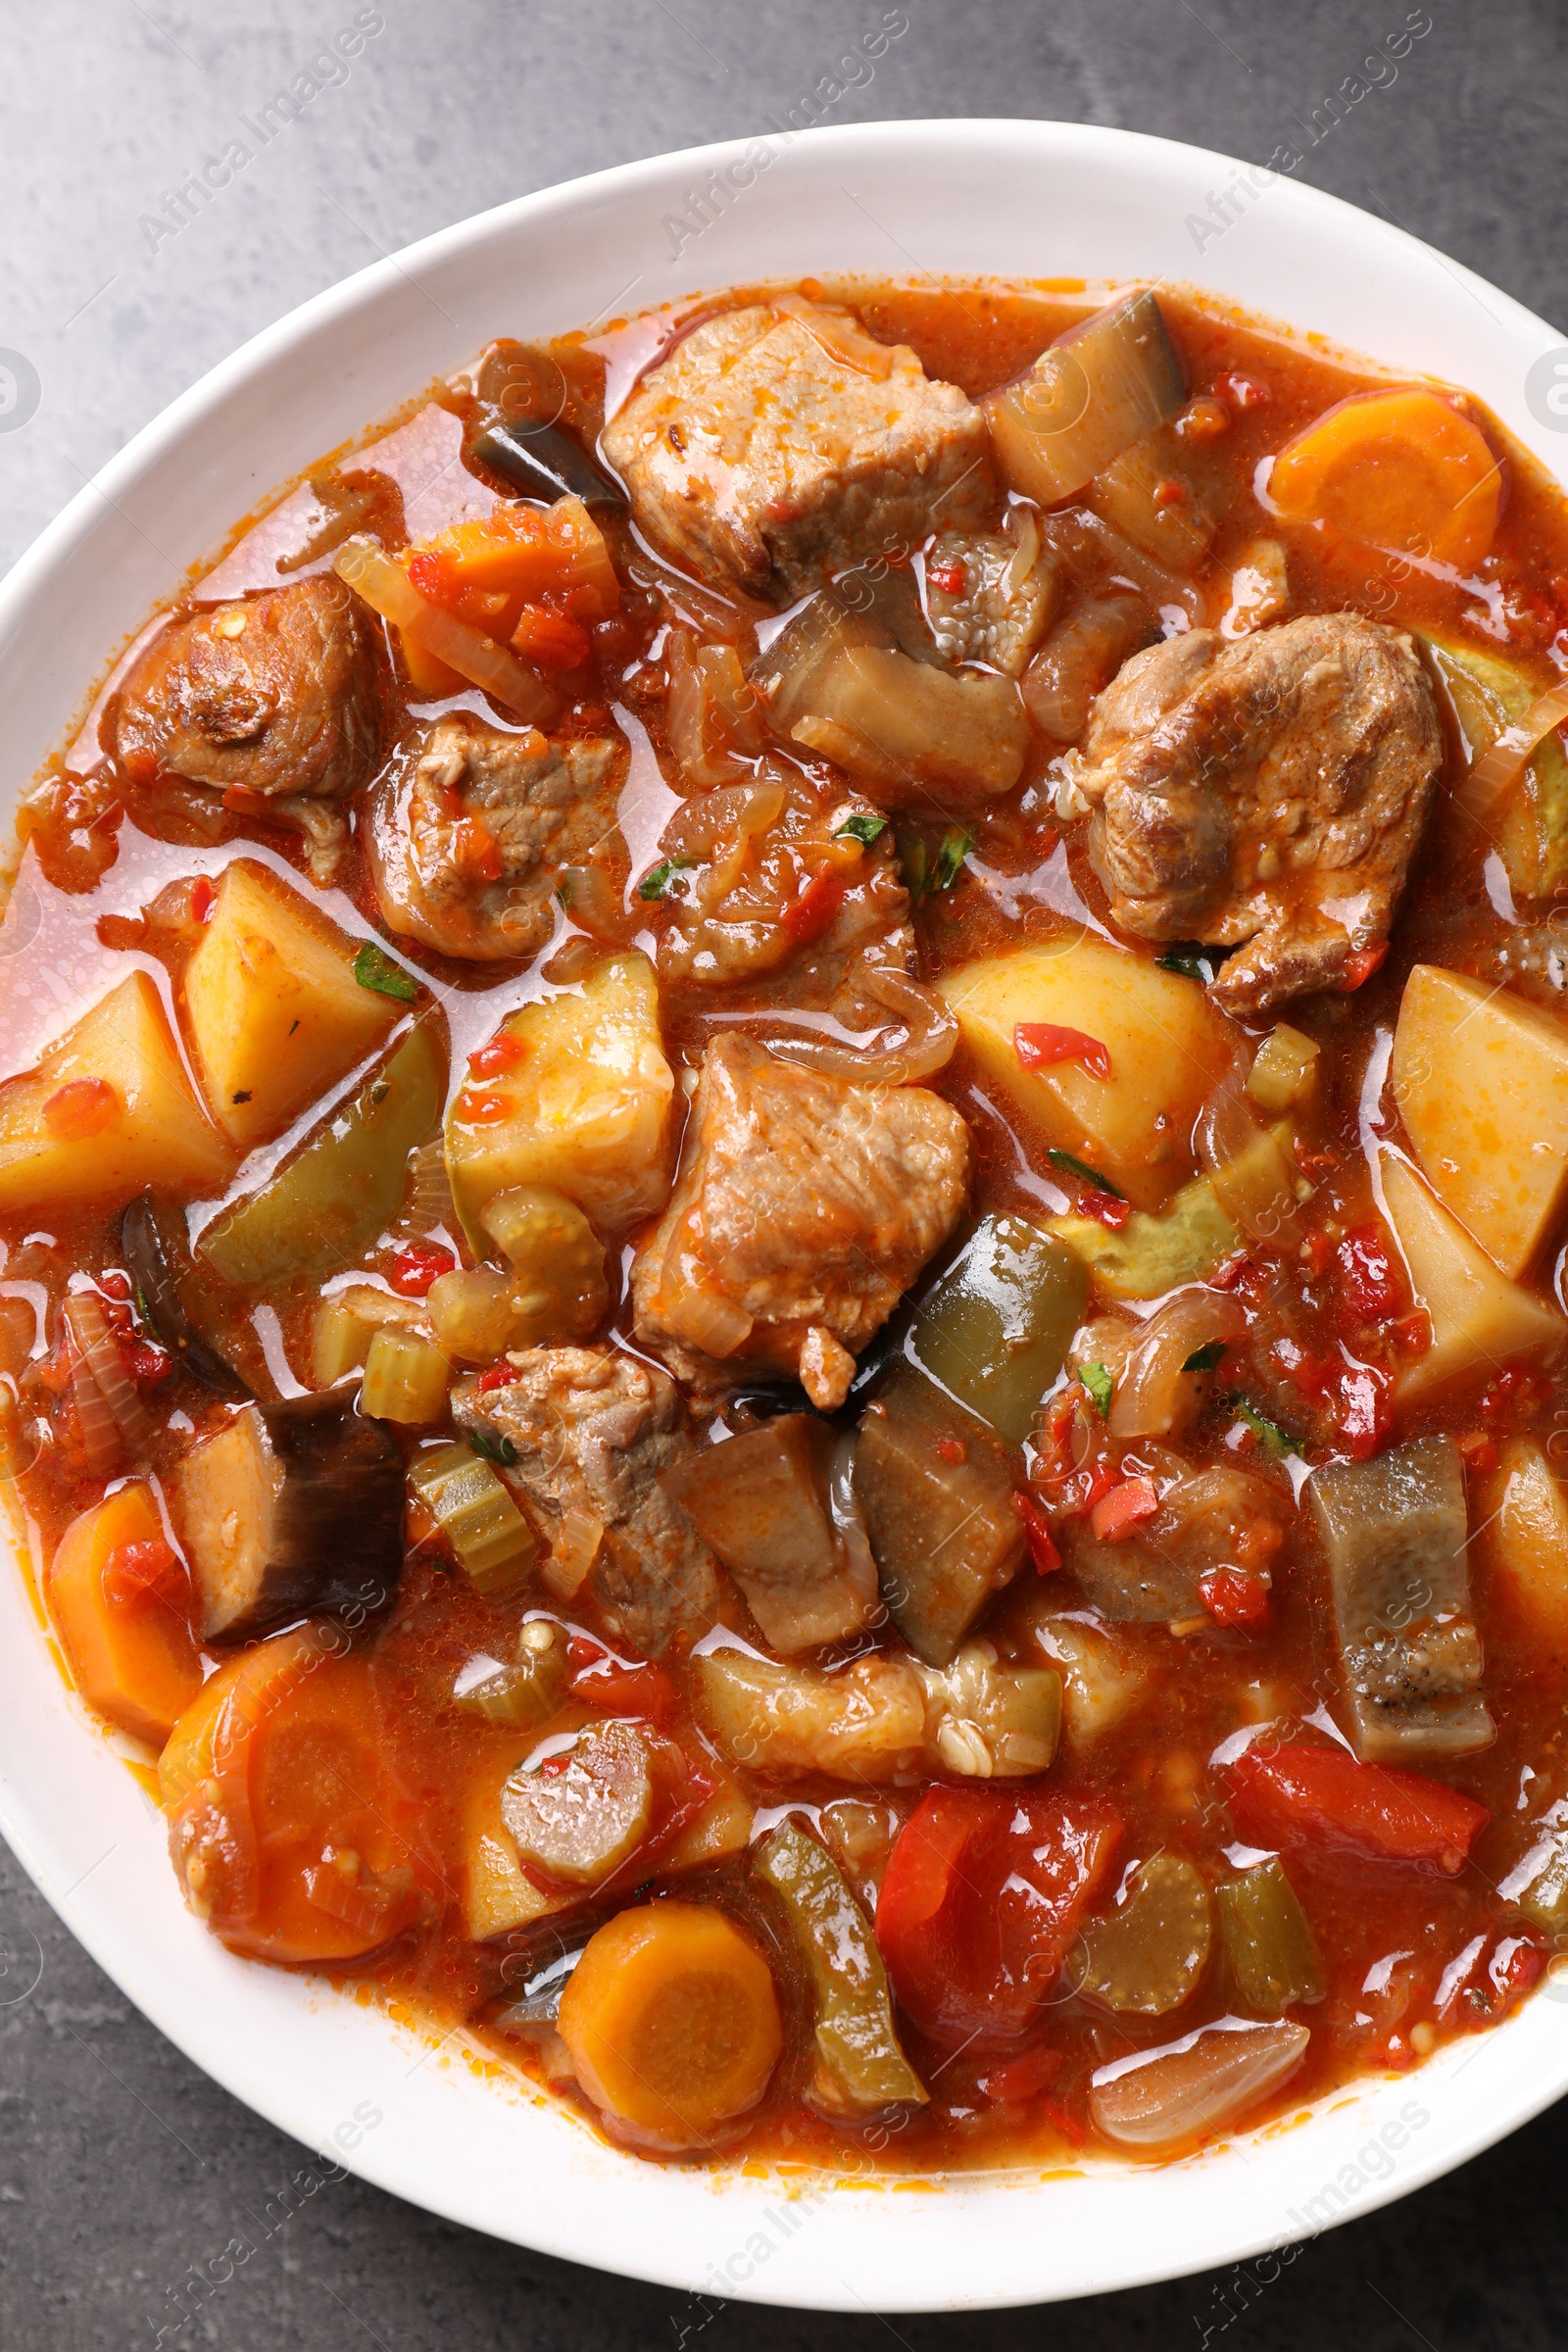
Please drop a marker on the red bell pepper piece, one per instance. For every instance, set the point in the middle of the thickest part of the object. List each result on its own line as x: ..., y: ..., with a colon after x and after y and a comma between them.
x: 1036, y: 1526
x: 1116, y: 1514
x: 415, y: 1269
x: 1234, y: 1596
x: 1320, y: 1797
x: 813, y: 911
x: 1041, y: 1044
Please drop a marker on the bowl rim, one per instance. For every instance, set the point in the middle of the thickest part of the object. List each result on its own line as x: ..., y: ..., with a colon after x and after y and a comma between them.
x: 195, y: 1996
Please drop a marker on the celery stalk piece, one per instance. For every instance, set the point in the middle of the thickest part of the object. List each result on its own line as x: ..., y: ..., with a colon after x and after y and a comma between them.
x: 493, y: 1541
x: 527, y: 1692
x: 1149, y: 1957
x: 860, y: 2064
x: 1271, y: 1951
x: 405, y: 1378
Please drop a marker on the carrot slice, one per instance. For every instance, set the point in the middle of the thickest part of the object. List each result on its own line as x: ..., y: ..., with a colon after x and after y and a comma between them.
x: 672, y: 2024
x: 1399, y: 470
x: 127, y: 1637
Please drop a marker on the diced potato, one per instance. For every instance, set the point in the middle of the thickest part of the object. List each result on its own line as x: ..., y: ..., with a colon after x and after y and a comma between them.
x: 723, y: 1826
x: 108, y: 1111
x: 1522, y: 1514
x: 496, y: 1897
x: 1285, y: 1070
x: 1167, y: 1048
x: 274, y: 1012
x: 585, y: 1108
x: 1099, y: 1683
x: 1480, y: 1320
x: 131, y: 1655
x: 1481, y: 1079
x: 1146, y: 1257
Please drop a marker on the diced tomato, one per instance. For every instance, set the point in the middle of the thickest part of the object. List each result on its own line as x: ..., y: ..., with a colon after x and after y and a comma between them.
x: 1320, y: 1797
x: 952, y: 1449
x: 143, y: 1359
x: 1234, y: 1596
x: 552, y: 639
x: 813, y: 911
x: 1024, y: 2077
x: 475, y: 849
x: 1126, y: 1506
x: 1039, y: 1045
x: 144, y: 1571
x: 1361, y: 967
x: 415, y: 1269
x: 1037, y: 1528
x: 503, y: 1052
x: 983, y: 1894
x: 428, y: 575
x: 80, y: 1109
x: 1230, y: 1273
x: 624, y: 1688
x: 1065, y: 2121
x: 1368, y: 1287
x: 1366, y: 1412
x: 483, y: 1110
x: 1316, y: 1251
x: 1480, y: 1451
x: 1170, y: 492
x: 203, y: 899
x: 950, y: 578
x: 499, y: 1376
x: 1105, y: 1209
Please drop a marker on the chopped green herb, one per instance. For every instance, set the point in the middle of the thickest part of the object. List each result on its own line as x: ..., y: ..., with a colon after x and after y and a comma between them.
x: 1268, y: 1432
x: 655, y: 883
x: 374, y: 970
x: 1204, y: 1359
x: 1190, y: 963
x: 1100, y: 1386
x: 493, y: 1447
x: 862, y: 826
x: 1085, y: 1174
x: 956, y: 848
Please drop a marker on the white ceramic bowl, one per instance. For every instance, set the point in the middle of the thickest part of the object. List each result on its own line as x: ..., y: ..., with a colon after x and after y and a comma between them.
x: 1014, y: 199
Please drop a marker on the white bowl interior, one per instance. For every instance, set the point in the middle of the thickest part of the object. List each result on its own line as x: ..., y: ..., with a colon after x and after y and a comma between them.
x: 968, y: 199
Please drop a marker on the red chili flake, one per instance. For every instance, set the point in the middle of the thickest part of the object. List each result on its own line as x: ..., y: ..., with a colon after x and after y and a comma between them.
x: 949, y: 577
x: 1039, y: 1045
x: 1105, y: 1209
x: 1514, y: 1393
x: 1234, y: 1596
x: 813, y: 911
x: 1314, y: 1162
x: 1037, y: 1528
x: 136, y: 1572
x: 203, y: 899
x: 1125, y: 1508
x: 952, y: 1449
x: 1367, y: 1285
x: 555, y: 1766
x: 1412, y: 1335
x: 1227, y: 1276
x: 499, y: 1376
x: 583, y: 1650
x: 1066, y: 2122
x: 415, y: 1269
x: 80, y: 1109
x: 1245, y: 391
x: 1361, y: 967
x: 483, y: 1110
x: 1170, y: 493
x: 503, y: 1052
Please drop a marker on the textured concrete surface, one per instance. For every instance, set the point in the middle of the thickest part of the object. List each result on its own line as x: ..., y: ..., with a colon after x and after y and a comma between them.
x: 119, y: 2164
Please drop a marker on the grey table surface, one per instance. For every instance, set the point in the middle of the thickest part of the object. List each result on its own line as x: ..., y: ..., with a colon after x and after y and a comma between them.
x: 120, y: 2165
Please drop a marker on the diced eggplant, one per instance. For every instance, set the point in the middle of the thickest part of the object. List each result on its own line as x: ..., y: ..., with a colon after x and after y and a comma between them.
x: 157, y: 1264
x: 577, y: 1826
x: 860, y: 2066
x: 936, y: 1493
x: 1395, y: 1530
x: 762, y: 1502
x: 293, y: 1509
x: 546, y: 463
x: 1099, y: 386
x: 995, y: 1327
x: 1271, y: 1953
x: 1149, y: 1957
x: 1152, y: 1574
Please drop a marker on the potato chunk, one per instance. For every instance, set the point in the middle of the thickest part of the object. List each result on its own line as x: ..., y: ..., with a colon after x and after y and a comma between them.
x: 496, y: 1897
x: 1522, y: 1514
x: 1479, y: 1321
x: 1481, y: 1079
x: 583, y: 1106
x: 1166, y: 1043
x: 274, y: 1012
x: 108, y: 1111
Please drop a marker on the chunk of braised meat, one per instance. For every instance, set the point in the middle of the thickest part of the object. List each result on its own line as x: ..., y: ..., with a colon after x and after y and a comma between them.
x: 774, y: 900
x: 1267, y: 795
x: 803, y: 1208
x: 779, y: 443
x: 473, y: 830
x: 591, y: 1432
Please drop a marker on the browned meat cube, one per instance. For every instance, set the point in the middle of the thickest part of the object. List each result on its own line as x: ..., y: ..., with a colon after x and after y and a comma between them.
x: 1267, y: 794
x: 778, y: 444
x: 805, y: 1206
x: 472, y: 833
x: 275, y: 693
x: 592, y: 1431
x: 945, y: 1532
x: 762, y: 1500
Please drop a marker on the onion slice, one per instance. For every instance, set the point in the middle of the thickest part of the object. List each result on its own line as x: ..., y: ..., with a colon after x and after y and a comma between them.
x: 1489, y: 776
x: 1153, y: 1389
x: 388, y: 588
x: 1196, y: 2085
x: 84, y: 1319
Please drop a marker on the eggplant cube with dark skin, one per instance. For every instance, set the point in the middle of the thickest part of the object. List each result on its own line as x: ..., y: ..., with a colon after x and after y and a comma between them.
x: 1395, y: 1530
x: 760, y: 1501
x: 945, y: 1532
x: 292, y: 1509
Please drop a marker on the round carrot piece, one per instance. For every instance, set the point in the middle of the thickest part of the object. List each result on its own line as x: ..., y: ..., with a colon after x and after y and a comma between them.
x: 672, y: 2024
x: 129, y: 1641
x: 1402, y: 470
